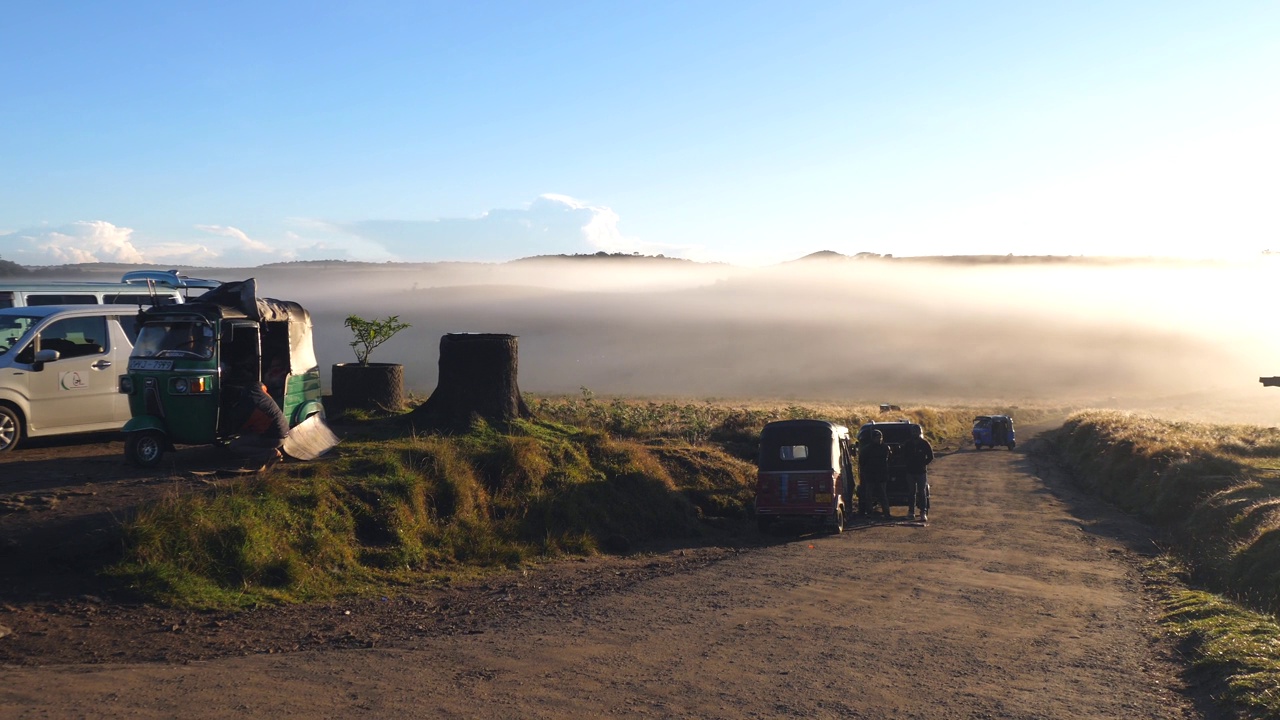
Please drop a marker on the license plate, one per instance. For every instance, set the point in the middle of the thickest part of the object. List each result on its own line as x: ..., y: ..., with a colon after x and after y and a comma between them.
x: 149, y: 364
x: 822, y: 498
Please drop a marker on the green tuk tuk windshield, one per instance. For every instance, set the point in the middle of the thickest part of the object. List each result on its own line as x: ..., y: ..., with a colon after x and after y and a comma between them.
x: 175, y: 339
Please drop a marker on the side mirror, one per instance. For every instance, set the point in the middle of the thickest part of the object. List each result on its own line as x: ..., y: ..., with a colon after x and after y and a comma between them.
x: 42, y: 357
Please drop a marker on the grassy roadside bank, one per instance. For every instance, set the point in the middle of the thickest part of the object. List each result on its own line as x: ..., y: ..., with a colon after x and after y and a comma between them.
x: 1214, y: 493
x: 394, y: 508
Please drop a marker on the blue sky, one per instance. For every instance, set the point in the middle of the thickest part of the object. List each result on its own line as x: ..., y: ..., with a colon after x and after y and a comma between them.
x: 238, y: 133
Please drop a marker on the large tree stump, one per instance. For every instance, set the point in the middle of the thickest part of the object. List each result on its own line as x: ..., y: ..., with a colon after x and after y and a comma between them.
x: 477, y: 377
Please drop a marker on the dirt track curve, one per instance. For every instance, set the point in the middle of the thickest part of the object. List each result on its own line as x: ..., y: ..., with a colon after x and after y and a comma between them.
x: 1019, y: 600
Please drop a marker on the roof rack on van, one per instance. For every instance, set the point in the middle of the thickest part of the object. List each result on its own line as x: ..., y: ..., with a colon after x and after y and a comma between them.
x: 169, y: 278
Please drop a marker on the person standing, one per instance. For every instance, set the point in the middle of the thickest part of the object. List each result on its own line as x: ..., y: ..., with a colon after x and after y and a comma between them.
x: 873, y: 471
x: 919, y: 453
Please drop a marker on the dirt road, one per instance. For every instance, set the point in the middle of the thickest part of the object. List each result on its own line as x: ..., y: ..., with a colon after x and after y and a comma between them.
x: 1019, y: 600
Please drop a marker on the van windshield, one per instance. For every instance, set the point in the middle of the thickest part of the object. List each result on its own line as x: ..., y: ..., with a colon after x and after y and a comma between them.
x: 180, y: 338
x: 12, y: 328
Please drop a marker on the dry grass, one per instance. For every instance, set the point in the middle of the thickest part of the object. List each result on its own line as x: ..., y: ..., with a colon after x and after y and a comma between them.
x: 1214, y: 491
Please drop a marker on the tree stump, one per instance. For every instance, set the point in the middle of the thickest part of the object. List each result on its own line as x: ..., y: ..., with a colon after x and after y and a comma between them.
x: 477, y: 377
x: 376, y: 386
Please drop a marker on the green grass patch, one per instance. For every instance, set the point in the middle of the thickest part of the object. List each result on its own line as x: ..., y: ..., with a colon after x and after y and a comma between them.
x: 393, y: 507
x: 1235, y: 649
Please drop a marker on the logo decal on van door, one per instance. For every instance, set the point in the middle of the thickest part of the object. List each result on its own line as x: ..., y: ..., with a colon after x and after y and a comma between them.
x: 72, y: 380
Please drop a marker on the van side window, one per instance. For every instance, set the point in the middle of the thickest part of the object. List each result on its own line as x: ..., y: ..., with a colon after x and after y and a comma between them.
x: 6, y: 299
x: 75, y: 337
x: 138, y: 299
x: 61, y: 299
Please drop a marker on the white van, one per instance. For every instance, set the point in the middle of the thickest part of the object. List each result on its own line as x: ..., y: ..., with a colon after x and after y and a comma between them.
x: 94, y: 293
x: 60, y: 368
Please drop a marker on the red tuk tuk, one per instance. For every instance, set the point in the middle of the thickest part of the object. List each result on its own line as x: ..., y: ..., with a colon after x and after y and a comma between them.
x: 804, y: 471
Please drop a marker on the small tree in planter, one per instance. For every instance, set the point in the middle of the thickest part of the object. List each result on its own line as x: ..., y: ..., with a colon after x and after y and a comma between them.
x: 371, y: 333
x: 364, y: 385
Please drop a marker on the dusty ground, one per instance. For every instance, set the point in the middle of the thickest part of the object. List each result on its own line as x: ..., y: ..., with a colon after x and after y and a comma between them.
x: 1019, y: 600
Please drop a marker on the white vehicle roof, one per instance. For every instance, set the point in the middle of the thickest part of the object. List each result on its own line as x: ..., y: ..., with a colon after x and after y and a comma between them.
x: 43, y: 311
x: 171, y: 278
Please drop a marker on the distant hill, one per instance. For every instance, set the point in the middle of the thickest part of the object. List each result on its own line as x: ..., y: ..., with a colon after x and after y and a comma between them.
x: 12, y: 269
x: 618, y: 256
x: 112, y: 271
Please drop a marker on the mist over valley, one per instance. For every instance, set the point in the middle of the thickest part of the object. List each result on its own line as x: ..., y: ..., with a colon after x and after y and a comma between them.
x: 1176, y: 337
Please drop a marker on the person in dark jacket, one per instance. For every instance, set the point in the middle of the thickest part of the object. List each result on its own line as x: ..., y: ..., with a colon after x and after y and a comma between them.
x: 264, y: 428
x: 919, y: 453
x: 873, y: 471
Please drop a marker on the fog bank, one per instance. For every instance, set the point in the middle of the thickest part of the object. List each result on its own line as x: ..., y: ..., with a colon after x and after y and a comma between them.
x: 1137, y: 335
x: 1188, y: 339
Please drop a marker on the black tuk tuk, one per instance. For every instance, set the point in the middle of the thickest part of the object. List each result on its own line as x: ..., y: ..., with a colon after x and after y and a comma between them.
x: 896, y: 435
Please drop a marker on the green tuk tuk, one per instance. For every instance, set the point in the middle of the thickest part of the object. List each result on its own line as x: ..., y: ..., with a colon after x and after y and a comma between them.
x: 192, y: 365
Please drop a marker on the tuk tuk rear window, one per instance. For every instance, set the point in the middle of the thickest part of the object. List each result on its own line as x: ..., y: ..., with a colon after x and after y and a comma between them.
x: 892, y: 432
x: 795, y: 451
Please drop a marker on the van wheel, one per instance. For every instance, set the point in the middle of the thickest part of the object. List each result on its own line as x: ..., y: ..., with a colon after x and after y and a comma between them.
x: 144, y: 448
x: 10, y: 428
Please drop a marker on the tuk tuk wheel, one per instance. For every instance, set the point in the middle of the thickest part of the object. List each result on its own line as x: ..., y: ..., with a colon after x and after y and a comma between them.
x: 144, y: 448
x: 1011, y: 445
x: 837, y: 521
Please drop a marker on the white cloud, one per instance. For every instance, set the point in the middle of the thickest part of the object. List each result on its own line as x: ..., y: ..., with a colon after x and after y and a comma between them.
x: 78, y: 242
x: 180, y: 254
x: 552, y: 224
x: 246, y: 243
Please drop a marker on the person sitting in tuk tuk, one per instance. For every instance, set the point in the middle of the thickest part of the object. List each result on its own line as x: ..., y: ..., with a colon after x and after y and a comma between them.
x: 263, y: 429
x: 873, y: 471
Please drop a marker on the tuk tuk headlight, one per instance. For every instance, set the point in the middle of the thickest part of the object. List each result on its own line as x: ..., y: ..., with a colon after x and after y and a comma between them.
x: 191, y: 386
x: 126, y: 385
